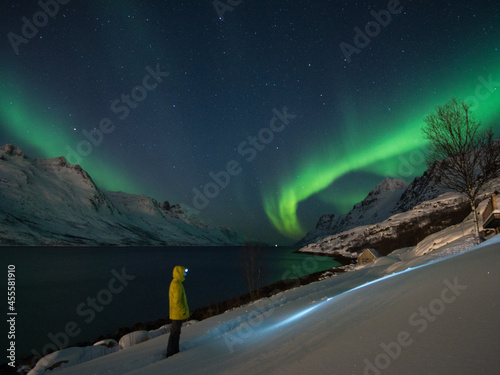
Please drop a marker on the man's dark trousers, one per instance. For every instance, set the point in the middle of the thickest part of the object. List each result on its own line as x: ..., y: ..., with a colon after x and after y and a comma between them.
x: 175, y: 335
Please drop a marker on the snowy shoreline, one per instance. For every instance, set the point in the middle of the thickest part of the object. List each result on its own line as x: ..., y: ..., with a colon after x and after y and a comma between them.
x: 217, y: 308
x: 370, y: 318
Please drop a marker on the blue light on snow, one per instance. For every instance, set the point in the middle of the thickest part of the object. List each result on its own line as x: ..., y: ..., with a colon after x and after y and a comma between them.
x: 306, y: 311
x: 299, y: 315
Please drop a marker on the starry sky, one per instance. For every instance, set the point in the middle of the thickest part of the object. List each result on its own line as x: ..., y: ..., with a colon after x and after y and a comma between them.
x: 258, y: 115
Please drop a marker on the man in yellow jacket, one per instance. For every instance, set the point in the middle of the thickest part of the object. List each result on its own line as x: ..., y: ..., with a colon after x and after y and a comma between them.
x: 179, y: 310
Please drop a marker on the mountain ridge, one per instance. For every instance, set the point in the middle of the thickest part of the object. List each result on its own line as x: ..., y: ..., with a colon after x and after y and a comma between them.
x: 431, y: 212
x: 377, y: 206
x: 421, y: 209
x: 49, y: 202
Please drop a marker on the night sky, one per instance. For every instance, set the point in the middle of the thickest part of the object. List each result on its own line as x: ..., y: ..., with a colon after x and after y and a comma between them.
x: 258, y: 115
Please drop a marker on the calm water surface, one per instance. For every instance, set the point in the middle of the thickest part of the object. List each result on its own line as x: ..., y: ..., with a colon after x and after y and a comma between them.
x: 79, y: 290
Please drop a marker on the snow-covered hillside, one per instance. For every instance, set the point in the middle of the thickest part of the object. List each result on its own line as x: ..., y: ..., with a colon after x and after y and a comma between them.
x: 51, y: 202
x: 376, y: 207
x: 391, y: 196
x: 407, y: 228
x: 403, y: 314
x: 400, y: 230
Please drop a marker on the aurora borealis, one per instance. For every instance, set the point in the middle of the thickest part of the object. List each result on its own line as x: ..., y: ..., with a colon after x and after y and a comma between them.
x: 396, y: 153
x: 75, y: 83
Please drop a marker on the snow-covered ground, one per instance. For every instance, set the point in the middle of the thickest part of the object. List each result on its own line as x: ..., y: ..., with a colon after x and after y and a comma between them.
x: 440, y: 316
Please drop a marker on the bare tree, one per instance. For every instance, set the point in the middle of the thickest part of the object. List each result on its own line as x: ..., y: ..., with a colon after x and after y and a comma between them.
x: 464, y: 156
x: 253, y: 258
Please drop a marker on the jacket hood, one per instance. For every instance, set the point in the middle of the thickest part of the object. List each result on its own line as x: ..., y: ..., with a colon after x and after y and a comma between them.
x: 179, y: 273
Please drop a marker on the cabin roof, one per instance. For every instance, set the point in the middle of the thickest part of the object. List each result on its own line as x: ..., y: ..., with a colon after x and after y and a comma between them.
x: 373, y: 251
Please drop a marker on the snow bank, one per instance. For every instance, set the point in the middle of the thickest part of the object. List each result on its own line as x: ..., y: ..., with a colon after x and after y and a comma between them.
x: 133, y: 338
x: 109, y: 343
x: 69, y: 357
x: 160, y: 331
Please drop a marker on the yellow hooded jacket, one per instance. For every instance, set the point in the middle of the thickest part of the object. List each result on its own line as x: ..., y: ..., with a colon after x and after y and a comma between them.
x: 179, y: 309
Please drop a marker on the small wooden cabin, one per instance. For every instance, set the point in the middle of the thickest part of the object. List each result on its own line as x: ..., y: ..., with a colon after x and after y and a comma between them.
x: 368, y: 256
x: 491, y: 215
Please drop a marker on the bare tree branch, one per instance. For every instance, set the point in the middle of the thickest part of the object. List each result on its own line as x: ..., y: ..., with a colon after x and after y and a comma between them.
x: 464, y: 156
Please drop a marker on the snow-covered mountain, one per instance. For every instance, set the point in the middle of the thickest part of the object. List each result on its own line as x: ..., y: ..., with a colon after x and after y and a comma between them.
x: 51, y: 202
x: 398, y: 231
x: 421, y: 189
x: 392, y: 197
x: 405, y: 229
x: 393, y: 215
x: 377, y: 206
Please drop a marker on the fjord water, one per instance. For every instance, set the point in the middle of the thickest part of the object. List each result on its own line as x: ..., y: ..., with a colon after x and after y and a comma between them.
x: 73, y: 295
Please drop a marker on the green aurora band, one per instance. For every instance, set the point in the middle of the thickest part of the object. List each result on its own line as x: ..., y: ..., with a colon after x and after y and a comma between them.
x: 382, y: 153
x: 30, y: 127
